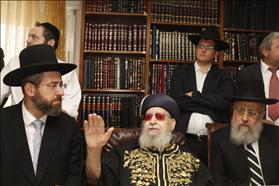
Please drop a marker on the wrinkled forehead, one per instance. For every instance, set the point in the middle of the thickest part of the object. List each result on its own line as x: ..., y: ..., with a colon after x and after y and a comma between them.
x: 157, y: 109
x: 37, y: 30
x: 207, y: 42
x: 249, y: 105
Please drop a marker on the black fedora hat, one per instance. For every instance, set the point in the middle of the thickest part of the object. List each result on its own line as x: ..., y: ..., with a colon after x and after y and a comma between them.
x: 160, y: 100
x: 251, y: 89
x: 36, y: 59
x: 211, y: 33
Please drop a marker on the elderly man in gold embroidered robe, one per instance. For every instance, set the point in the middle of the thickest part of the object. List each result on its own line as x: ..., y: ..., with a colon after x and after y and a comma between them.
x: 153, y: 159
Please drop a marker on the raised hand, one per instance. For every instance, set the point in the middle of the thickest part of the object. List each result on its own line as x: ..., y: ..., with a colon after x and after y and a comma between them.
x: 94, y: 131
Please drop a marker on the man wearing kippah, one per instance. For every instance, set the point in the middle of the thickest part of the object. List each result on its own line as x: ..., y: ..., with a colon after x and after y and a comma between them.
x: 40, y: 145
x: 153, y: 159
x: 44, y: 33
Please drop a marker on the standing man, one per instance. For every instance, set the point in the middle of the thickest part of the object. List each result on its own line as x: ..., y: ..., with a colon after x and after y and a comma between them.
x: 40, y: 145
x: 267, y: 70
x: 153, y: 159
x: 44, y: 33
x: 199, y: 89
x: 246, y: 152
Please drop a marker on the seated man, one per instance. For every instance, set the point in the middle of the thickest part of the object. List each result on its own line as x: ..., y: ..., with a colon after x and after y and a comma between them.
x: 153, y: 159
x: 247, y: 152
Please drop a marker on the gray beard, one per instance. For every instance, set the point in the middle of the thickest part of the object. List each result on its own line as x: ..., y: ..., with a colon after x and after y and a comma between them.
x: 245, y: 135
x: 159, y: 141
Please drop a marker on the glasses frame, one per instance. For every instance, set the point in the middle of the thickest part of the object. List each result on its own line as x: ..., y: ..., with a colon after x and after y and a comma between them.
x: 160, y: 116
x: 206, y: 47
x: 250, y: 112
x: 54, y: 85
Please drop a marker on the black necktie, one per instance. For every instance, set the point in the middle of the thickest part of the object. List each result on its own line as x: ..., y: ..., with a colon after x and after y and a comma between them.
x: 256, y: 176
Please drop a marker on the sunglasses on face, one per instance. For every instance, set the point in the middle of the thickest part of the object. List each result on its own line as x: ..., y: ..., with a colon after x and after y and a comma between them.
x: 159, y: 116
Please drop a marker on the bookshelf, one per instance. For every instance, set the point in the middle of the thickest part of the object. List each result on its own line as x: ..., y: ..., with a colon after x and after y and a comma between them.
x: 129, y: 48
x: 245, y: 25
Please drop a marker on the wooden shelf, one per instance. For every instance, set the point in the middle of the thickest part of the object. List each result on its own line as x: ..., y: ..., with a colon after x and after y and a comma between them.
x: 246, y: 30
x: 111, y: 91
x: 239, y: 62
x: 116, y: 14
x: 115, y: 52
x: 147, y: 79
x: 170, y: 61
x: 180, y: 24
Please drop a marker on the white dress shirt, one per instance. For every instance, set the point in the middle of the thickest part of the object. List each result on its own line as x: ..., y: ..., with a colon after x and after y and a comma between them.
x: 266, y: 78
x: 72, y: 94
x: 28, y: 118
x: 197, y: 121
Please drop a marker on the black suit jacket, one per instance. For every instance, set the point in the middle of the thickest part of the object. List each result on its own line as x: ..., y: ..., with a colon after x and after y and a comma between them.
x: 60, y: 158
x: 210, y: 102
x: 229, y: 164
x: 251, y: 71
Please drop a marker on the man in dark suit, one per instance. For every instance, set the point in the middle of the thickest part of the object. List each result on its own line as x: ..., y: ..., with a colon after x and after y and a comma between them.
x: 199, y: 89
x: 40, y: 145
x: 231, y: 159
x: 269, y: 53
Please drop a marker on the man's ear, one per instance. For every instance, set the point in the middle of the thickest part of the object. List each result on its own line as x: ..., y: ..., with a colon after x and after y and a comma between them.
x: 216, y: 53
x: 173, y: 123
x: 51, y: 42
x: 266, y: 52
x: 29, y: 89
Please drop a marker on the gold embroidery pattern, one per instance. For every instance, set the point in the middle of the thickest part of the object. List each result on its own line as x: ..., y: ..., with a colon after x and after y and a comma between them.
x: 142, y: 167
x: 180, y: 167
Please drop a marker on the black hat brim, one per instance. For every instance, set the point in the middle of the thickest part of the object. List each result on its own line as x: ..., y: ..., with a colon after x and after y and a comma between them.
x: 219, y: 44
x: 15, y: 77
x: 268, y: 101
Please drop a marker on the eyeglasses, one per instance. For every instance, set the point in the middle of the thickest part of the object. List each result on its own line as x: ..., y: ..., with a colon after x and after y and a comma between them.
x: 55, y: 85
x: 206, y: 47
x: 251, y: 113
x: 159, y: 116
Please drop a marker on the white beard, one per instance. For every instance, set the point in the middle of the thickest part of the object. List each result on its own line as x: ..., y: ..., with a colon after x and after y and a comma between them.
x: 245, y: 135
x: 159, y: 141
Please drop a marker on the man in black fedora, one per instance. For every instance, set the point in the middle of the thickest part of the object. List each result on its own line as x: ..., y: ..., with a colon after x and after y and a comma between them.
x: 267, y: 69
x: 199, y: 89
x: 43, y: 33
x: 247, y: 151
x: 40, y: 145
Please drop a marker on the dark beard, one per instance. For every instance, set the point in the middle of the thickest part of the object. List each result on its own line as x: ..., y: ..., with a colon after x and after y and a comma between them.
x: 46, y: 106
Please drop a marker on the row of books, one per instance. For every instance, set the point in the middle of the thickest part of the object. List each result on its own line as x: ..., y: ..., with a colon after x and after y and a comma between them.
x: 185, y: 11
x: 251, y: 14
x: 113, y: 73
x: 116, y: 111
x: 127, y: 6
x: 160, y: 77
x: 171, y: 45
x: 115, y: 37
x: 243, y: 46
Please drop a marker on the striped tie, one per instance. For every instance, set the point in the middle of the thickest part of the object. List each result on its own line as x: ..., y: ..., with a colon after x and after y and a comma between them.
x: 256, y: 176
